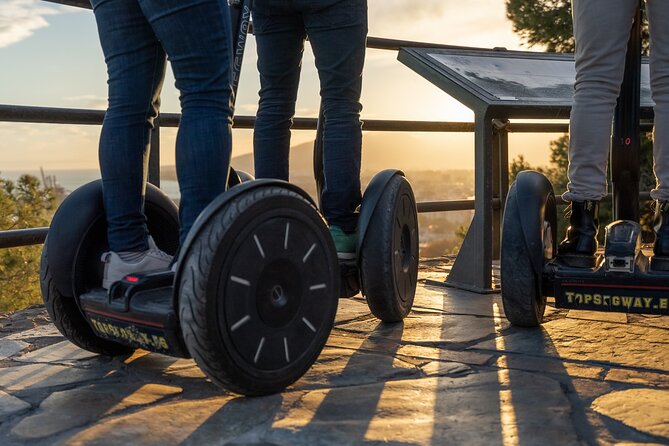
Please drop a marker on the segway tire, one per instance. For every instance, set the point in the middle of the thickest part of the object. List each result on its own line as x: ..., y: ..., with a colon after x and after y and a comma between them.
x: 522, y: 295
x: 67, y: 317
x: 259, y: 291
x: 389, y: 254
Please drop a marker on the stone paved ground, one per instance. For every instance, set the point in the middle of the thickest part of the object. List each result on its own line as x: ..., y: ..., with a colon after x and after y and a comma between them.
x: 454, y: 372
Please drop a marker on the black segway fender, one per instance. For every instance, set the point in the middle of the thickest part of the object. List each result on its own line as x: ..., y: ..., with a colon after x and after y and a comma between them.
x: 221, y: 201
x: 532, y: 188
x: 237, y: 177
x: 73, y: 218
x: 371, y: 199
x: 78, y: 213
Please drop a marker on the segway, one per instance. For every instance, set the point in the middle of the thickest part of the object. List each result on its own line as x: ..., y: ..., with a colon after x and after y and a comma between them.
x: 253, y: 297
x: 624, y: 278
x: 386, y: 266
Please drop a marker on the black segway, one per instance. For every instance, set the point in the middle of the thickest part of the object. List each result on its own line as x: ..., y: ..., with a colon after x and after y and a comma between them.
x: 386, y: 265
x: 252, y: 300
x: 624, y: 278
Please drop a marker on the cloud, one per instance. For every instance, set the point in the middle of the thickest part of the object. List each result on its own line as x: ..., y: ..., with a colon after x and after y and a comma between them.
x: 469, y: 23
x: 89, y: 100
x: 20, y: 18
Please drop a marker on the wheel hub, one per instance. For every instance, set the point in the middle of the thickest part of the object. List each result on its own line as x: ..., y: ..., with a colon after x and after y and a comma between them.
x: 279, y: 293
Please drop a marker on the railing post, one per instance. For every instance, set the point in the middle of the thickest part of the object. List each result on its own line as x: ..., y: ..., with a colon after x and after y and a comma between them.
x: 500, y: 184
x: 472, y: 269
x: 154, y: 154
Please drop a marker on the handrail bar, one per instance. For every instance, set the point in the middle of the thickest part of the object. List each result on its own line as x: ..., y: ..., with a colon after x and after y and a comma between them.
x: 56, y: 115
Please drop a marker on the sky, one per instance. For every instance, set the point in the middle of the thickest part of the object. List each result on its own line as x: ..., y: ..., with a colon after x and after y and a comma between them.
x: 50, y: 56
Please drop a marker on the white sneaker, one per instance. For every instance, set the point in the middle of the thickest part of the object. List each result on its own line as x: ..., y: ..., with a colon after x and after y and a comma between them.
x: 116, y: 269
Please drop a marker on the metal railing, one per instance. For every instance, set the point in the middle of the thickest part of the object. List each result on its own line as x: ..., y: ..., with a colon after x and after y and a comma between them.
x: 54, y: 115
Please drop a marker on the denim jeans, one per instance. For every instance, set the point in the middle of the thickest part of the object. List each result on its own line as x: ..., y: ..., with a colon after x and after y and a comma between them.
x: 136, y: 36
x: 602, y: 29
x: 337, y: 31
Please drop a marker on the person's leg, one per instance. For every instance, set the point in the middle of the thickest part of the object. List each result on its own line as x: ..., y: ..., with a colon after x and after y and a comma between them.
x: 337, y: 34
x: 136, y: 67
x: 196, y: 36
x: 658, y: 16
x: 601, y: 30
x: 280, y: 43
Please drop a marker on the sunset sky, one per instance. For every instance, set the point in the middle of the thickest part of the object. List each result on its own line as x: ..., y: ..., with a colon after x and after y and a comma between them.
x: 50, y: 56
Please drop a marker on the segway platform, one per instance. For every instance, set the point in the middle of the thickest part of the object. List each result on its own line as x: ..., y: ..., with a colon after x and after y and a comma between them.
x: 138, y: 312
x: 623, y: 279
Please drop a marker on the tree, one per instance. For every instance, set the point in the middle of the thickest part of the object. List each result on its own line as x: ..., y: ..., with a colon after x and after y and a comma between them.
x: 24, y: 204
x: 548, y: 23
x: 543, y: 22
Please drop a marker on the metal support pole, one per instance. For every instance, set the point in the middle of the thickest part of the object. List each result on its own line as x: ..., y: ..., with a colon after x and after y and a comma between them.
x: 500, y: 182
x: 472, y: 269
x: 154, y: 154
x: 626, y: 141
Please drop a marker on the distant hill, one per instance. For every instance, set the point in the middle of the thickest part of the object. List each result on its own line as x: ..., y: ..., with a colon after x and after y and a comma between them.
x: 410, y: 152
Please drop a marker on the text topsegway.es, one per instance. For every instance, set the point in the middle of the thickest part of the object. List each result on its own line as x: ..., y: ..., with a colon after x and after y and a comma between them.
x: 623, y: 278
x: 253, y: 297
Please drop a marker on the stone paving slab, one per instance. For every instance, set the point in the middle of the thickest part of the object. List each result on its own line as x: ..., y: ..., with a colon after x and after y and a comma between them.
x: 454, y: 372
x: 10, y: 405
x: 616, y: 344
x: 63, y: 352
x: 62, y: 411
x: 10, y: 348
x: 643, y: 409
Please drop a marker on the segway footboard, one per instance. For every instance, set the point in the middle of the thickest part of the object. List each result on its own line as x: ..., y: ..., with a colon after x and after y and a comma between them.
x: 623, y: 280
x: 137, y: 312
x: 642, y: 292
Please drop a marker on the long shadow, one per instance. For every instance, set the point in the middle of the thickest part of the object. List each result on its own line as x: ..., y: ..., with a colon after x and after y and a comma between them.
x: 513, y: 401
x: 345, y: 413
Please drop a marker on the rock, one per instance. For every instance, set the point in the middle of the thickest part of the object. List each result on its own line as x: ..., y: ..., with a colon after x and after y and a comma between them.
x: 643, y: 409
x: 61, y: 353
x: 10, y: 405
x: 68, y: 409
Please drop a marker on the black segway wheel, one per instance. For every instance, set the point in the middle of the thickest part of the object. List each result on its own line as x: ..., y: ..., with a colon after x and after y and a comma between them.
x: 70, y: 263
x: 522, y: 291
x: 259, y: 290
x: 67, y: 317
x: 389, y: 253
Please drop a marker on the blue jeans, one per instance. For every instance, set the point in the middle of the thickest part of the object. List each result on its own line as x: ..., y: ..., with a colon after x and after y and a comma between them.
x: 136, y: 35
x: 337, y: 31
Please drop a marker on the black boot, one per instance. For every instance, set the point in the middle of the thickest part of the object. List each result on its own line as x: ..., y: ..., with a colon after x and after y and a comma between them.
x: 579, y: 247
x: 661, y: 224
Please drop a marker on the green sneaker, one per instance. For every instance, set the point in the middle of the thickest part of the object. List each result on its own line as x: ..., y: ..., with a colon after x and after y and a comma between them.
x: 346, y: 244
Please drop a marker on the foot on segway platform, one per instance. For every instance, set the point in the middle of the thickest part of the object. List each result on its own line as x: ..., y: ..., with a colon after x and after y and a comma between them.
x: 579, y: 246
x: 660, y: 259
